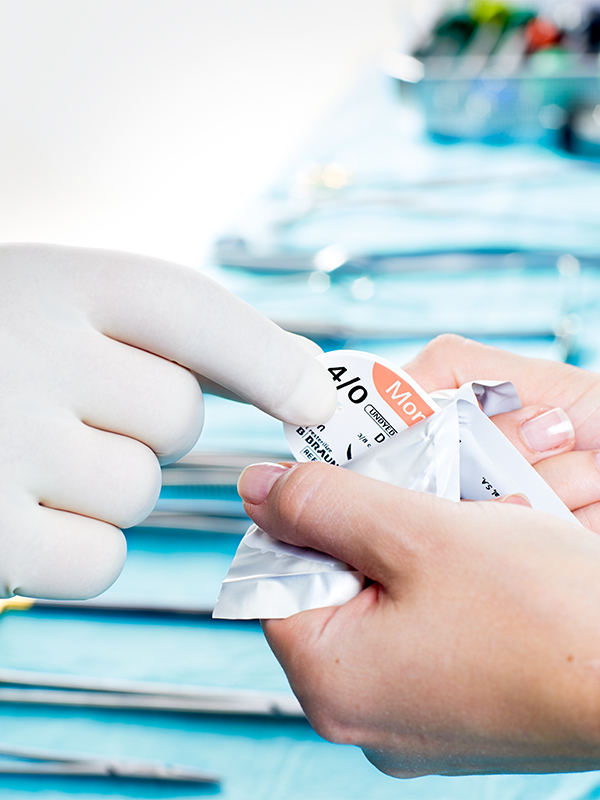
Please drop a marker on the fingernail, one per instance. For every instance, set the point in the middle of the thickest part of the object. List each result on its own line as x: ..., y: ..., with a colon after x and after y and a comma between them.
x: 255, y: 482
x: 548, y: 431
x: 516, y: 499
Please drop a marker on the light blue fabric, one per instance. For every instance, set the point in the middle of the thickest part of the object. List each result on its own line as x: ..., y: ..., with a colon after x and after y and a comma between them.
x: 276, y: 759
x: 406, y: 193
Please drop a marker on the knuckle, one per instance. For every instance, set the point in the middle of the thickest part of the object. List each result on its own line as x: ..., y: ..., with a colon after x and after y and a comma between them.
x: 445, y: 343
x: 331, y: 728
x: 589, y: 516
x: 314, y: 674
x: 185, y: 418
x: 100, y: 565
x: 77, y: 557
x: 183, y: 385
x: 138, y: 482
x: 329, y: 712
x: 397, y: 765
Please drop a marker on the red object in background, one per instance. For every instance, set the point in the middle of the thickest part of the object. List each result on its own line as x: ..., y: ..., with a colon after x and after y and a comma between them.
x: 540, y: 34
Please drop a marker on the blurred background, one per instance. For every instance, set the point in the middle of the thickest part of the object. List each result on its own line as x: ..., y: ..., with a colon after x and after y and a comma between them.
x: 369, y: 173
x: 146, y: 124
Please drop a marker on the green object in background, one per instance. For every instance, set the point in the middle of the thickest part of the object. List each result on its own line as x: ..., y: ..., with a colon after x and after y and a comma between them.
x: 518, y: 20
x: 450, y: 36
x: 484, y: 12
x: 552, y: 61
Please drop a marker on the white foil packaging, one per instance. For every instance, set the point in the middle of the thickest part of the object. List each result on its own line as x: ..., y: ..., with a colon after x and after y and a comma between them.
x: 269, y: 579
x: 455, y: 452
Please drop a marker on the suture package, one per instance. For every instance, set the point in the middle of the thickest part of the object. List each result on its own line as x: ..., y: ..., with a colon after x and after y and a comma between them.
x: 451, y: 449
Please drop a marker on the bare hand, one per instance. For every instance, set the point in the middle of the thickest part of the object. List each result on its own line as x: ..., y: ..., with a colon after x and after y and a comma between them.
x: 474, y: 651
x: 552, y: 394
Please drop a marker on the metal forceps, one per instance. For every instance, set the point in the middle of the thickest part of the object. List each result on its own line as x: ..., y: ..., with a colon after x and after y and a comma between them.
x: 32, y: 761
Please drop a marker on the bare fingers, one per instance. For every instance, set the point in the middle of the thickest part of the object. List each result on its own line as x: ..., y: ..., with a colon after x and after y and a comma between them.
x: 545, y: 437
x: 538, y: 432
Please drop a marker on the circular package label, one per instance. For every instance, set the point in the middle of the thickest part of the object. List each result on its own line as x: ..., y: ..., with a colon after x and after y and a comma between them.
x: 376, y: 400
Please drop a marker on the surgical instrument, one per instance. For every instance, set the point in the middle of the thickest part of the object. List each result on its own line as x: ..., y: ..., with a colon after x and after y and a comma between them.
x: 40, y: 688
x: 106, y: 605
x: 33, y: 761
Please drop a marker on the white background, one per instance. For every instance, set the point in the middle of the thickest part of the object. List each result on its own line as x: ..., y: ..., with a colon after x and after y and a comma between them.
x: 145, y: 125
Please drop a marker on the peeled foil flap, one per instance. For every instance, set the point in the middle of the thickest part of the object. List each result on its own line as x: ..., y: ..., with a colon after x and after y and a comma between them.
x: 424, y: 457
x: 268, y: 575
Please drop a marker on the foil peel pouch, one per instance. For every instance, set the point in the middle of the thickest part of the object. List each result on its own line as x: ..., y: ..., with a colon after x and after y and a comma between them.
x: 269, y: 578
x: 455, y: 452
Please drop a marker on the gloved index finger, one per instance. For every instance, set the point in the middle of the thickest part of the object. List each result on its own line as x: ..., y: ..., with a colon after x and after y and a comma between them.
x: 185, y: 316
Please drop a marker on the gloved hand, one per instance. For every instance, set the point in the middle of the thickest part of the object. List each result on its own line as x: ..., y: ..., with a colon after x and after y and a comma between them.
x: 97, y: 350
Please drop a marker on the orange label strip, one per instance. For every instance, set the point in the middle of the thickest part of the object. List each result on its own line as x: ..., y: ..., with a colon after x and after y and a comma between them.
x: 400, y: 395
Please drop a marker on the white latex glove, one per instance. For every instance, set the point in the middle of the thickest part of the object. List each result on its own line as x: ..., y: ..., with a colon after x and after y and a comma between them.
x: 92, y: 397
